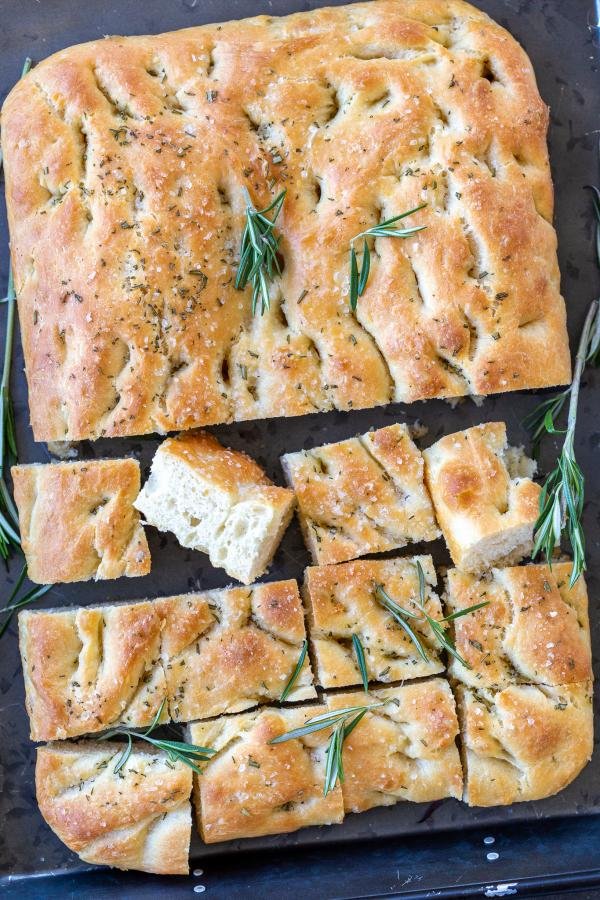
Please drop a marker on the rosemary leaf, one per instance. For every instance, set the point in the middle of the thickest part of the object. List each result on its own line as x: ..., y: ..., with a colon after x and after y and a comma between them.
x: 295, y: 673
x: 359, y: 278
x: 465, y: 611
x: 360, y: 658
x: 13, y: 603
x: 180, y: 751
x: 318, y: 723
x: 258, y: 253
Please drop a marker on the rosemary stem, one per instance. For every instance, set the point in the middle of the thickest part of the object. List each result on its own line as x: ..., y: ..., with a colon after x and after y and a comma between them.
x: 580, y: 361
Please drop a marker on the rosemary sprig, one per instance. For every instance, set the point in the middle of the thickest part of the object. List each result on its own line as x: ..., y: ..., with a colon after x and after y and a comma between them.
x: 343, y: 722
x: 401, y: 615
x: 596, y: 204
x: 14, y: 603
x: 360, y: 659
x: 295, y: 673
x: 258, y: 255
x: 359, y: 277
x: 175, y: 750
x: 562, y: 497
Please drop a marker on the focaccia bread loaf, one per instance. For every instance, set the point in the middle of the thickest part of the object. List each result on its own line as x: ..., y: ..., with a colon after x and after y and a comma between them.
x: 341, y: 601
x: 363, y: 495
x: 524, y: 742
x: 126, y: 161
x: 78, y: 522
x: 139, y: 818
x: 405, y: 750
x: 483, y: 495
x: 535, y: 628
x: 88, y: 669
x: 218, y: 501
x: 250, y: 787
x: 225, y: 651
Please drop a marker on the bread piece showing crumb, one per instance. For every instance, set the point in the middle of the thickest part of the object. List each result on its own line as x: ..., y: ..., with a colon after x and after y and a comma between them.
x: 341, y: 601
x: 138, y: 819
x: 218, y: 501
x: 250, y: 787
x: 405, y: 750
x: 363, y: 495
x: 226, y: 651
x: 524, y: 742
x: 78, y: 521
x: 484, y: 498
x: 534, y: 629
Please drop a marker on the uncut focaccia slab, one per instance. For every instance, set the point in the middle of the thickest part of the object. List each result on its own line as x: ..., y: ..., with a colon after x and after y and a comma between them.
x: 251, y: 787
x: 216, y: 500
x: 77, y: 520
x: 225, y: 651
x: 483, y: 495
x: 524, y: 742
x: 126, y: 161
x: 535, y: 628
x: 405, y: 750
x: 90, y: 668
x: 139, y: 818
x: 341, y: 601
x: 363, y: 495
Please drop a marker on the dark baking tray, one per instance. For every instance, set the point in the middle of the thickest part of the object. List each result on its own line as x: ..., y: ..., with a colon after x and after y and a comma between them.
x: 560, y: 41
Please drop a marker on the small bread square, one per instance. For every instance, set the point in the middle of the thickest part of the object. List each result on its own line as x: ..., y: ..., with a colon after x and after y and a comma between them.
x: 405, y: 750
x: 138, y: 819
x: 218, y: 501
x: 524, y: 742
x: 484, y: 498
x: 535, y: 628
x: 78, y: 522
x: 341, y: 601
x: 250, y: 787
x: 363, y: 495
x: 90, y: 668
x: 226, y: 651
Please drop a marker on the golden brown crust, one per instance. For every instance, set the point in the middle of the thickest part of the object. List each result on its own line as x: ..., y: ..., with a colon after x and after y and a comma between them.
x: 137, y: 819
x: 405, y: 750
x: 340, y: 601
x: 363, y: 495
x: 88, y: 669
x: 78, y: 522
x: 251, y: 787
x: 535, y: 628
x: 486, y: 512
x: 524, y: 742
x: 229, y: 470
x: 225, y: 651
x: 126, y: 160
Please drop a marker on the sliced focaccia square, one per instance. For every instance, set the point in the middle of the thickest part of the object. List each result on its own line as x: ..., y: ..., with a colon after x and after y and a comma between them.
x: 226, y: 651
x: 535, y: 628
x: 343, y: 601
x: 484, y: 498
x: 524, y: 742
x: 363, y: 495
x: 139, y: 818
x: 403, y: 750
x: 251, y: 787
x: 218, y: 501
x: 78, y: 522
x: 87, y: 669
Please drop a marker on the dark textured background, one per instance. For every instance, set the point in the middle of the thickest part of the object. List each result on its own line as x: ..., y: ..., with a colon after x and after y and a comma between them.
x: 557, y: 36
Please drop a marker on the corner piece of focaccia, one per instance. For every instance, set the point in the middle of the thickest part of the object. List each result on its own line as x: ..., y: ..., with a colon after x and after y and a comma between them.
x: 341, y: 601
x: 524, y: 742
x: 227, y: 650
x: 484, y: 498
x: 90, y: 668
x: 363, y: 495
x: 78, y: 522
x: 404, y: 750
x: 138, y: 818
x: 251, y: 787
x: 535, y: 628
